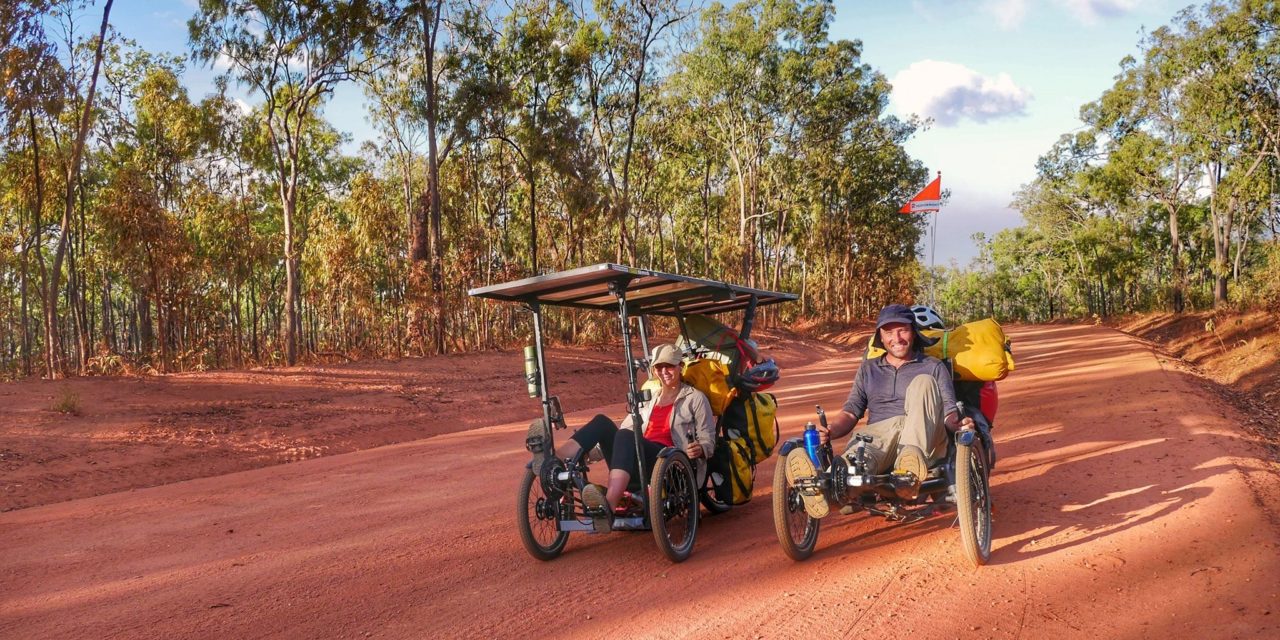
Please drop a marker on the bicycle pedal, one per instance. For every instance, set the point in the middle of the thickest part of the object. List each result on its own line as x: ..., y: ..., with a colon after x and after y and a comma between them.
x: 535, y: 444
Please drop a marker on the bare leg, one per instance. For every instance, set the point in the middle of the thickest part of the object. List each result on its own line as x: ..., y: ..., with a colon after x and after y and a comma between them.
x: 568, y: 448
x: 618, y: 480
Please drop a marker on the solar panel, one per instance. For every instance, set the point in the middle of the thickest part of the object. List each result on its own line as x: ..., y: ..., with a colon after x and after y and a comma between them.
x: 647, y: 292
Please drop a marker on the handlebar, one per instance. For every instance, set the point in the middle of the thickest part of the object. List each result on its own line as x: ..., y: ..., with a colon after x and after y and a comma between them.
x: 826, y: 453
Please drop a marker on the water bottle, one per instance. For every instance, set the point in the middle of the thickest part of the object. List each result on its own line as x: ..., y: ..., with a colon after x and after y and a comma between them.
x: 812, y: 442
x: 531, y: 377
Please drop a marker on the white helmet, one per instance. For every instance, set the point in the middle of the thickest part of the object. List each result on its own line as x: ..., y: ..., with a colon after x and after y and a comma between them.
x: 927, y: 318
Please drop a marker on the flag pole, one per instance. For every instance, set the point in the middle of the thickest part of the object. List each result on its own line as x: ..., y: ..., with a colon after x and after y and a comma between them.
x: 933, y: 244
x: 929, y: 199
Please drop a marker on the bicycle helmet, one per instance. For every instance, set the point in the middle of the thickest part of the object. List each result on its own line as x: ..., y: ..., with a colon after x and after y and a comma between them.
x: 759, y: 377
x: 926, y: 318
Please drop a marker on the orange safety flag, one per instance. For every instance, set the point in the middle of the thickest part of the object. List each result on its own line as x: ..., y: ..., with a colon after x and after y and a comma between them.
x: 929, y: 198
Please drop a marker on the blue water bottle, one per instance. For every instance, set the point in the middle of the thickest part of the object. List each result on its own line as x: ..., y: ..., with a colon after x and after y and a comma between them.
x: 812, y: 443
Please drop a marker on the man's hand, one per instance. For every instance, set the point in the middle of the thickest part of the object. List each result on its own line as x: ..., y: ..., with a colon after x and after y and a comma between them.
x: 841, y: 424
x: 954, y: 425
x: 694, y: 449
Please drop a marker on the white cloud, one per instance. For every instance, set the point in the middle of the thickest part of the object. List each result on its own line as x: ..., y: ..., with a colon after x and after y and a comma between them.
x: 950, y: 92
x: 1090, y: 11
x: 1008, y: 13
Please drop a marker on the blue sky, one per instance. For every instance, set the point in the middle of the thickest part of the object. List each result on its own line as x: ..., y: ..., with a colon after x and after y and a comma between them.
x: 1003, y: 79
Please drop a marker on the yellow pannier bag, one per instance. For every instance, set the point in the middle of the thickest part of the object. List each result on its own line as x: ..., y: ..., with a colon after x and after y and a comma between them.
x: 978, y: 350
x: 741, y: 472
x: 733, y: 471
x: 711, y: 377
x: 754, y: 418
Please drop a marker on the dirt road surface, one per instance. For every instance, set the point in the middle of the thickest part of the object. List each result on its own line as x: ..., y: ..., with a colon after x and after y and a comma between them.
x: 1128, y: 505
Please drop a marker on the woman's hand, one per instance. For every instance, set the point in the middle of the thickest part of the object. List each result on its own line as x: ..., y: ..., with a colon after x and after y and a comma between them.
x: 694, y: 449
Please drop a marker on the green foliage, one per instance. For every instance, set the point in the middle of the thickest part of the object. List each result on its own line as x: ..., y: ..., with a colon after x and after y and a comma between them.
x: 737, y: 142
x: 1164, y: 201
x: 1261, y: 286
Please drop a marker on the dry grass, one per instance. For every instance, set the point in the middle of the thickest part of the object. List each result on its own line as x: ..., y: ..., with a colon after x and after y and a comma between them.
x: 68, y: 402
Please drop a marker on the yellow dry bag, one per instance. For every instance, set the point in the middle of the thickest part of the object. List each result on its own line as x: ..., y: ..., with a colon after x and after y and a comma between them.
x: 978, y: 350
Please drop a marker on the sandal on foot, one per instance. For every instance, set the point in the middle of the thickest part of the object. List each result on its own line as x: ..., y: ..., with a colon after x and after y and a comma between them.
x: 911, y: 461
x: 800, y: 467
x: 629, y: 505
x: 538, y: 443
x: 597, y: 508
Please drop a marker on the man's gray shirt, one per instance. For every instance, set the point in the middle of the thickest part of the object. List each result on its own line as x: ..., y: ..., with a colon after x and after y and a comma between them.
x: 882, y: 388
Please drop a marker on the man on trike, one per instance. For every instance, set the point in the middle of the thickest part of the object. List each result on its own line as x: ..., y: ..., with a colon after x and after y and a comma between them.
x: 920, y: 451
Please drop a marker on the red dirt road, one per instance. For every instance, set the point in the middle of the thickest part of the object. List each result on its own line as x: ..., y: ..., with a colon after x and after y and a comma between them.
x: 1129, y: 505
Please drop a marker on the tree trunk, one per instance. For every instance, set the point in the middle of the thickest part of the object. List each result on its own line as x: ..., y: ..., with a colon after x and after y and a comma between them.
x: 706, y: 217
x: 52, y: 281
x: 533, y: 220
x: 26, y: 305
x: 291, y: 286
x: 1179, y: 273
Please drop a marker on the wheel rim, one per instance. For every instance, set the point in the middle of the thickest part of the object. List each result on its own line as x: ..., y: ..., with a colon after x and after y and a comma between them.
x: 799, y: 524
x: 981, y: 505
x: 678, y: 500
x: 542, y: 516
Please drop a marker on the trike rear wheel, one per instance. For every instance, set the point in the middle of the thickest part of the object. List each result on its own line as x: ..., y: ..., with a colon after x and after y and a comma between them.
x: 708, y: 497
x: 973, y: 502
x: 673, y: 506
x: 797, y: 532
x: 537, y: 519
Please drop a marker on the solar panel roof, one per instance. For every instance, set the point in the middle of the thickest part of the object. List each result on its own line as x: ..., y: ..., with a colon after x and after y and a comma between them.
x: 647, y: 292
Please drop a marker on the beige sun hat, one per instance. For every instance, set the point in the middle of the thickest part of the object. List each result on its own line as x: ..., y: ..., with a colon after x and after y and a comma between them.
x: 663, y: 354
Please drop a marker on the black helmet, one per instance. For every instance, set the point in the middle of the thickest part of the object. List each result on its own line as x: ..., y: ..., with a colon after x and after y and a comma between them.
x: 759, y: 377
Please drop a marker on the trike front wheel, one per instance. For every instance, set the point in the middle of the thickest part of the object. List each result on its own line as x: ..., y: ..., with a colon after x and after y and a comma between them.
x: 797, y: 532
x: 673, y: 506
x: 538, y: 520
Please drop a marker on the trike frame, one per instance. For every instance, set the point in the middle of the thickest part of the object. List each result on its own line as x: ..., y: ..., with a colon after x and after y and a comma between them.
x: 629, y: 293
x: 961, y: 482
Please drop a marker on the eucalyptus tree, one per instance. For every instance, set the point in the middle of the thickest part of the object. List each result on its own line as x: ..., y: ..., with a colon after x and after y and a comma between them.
x: 529, y: 79
x: 32, y: 84
x: 151, y: 131
x: 290, y: 54
x: 419, y: 97
x: 629, y: 41
x: 729, y: 79
x: 46, y: 89
x: 1147, y: 150
x: 857, y: 171
x: 1220, y: 50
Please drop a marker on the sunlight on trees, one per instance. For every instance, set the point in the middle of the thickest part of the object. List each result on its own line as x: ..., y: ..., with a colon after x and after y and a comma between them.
x: 142, y: 228
x: 1169, y: 199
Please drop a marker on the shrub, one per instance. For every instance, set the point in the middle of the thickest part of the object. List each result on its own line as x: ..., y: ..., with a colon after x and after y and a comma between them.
x: 68, y: 402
